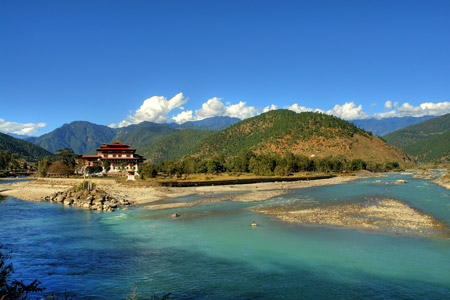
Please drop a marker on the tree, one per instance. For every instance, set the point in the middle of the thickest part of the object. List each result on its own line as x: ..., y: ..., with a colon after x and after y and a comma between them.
x: 11, y: 289
x: 302, y: 162
x: 148, y: 170
x: 357, y: 164
x: 106, y: 165
x: 189, y: 164
x: 167, y: 167
x: 94, y: 169
x: 14, y: 165
x: 60, y: 168
x: 215, y: 165
x: 242, y: 161
x: 5, y: 159
x: 43, y: 165
x: 67, y: 156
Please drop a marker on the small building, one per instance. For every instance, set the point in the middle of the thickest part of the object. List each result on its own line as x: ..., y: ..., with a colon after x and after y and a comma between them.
x: 122, y: 158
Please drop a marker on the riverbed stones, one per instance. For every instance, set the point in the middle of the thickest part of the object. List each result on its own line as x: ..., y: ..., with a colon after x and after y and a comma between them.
x: 96, y: 199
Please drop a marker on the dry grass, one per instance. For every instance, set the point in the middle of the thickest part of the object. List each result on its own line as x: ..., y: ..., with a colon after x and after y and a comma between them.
x: 212, y: 177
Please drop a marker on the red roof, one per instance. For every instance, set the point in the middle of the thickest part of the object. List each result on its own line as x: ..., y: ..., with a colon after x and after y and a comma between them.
x: 110, y: 158
x: 90, y: 156
x: 103, y: 149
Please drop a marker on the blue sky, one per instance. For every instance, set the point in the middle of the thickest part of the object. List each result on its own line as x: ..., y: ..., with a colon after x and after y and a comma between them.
x: 99, y: 61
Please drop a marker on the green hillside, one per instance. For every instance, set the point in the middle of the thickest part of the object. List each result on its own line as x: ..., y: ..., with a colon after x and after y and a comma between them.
x: 175, y: 145
x: 142, y: 135
x: 419, y: 132
x: 311, y: 134
x: 432, y: 149
x: 427, y: 141
x: 21, y: 148
x: 83, y: 137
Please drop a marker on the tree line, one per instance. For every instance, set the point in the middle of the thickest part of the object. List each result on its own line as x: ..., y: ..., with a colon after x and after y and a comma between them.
x: 264, y: 164
x: 10, y: 164
x: 63, y: 163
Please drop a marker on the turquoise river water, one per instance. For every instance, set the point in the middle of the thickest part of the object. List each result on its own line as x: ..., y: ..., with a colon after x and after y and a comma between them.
x: 211, y: 252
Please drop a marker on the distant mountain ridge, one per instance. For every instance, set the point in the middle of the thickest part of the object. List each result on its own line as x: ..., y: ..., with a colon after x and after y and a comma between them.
x: 307, y: 133
x: 21, y: 148
x: 385, y: 126
x: 84, y: 137
x: 81, y: 136
x: 215, y: 123
x: 427, y: 141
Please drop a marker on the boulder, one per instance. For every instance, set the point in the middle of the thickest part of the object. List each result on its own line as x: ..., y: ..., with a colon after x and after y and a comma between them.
x: 60, y: 198
x: 401, y: 181
x: 68, y: 201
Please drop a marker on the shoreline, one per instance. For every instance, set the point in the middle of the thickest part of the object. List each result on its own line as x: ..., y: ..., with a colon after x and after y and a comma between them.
x: 444, y: 181
x: 146, y: 196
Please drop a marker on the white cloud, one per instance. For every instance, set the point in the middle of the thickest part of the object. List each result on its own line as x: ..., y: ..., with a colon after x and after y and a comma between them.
x: 388, y: 105
x: 184, y: 116
x: 153, y: 109
x: 298, y: 109
x: 157, y: 109
x: 211, y: 108
x: 214, y: 107
x: 389, y: 114
x: 348, y: 111
x: 123, y: 123
x: 424, y: 109
x: 408, y: 110
x: 18, y: 128
x: 270, y: 107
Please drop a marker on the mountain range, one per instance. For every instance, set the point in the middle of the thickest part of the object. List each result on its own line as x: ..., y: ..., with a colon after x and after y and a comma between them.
x: 159, y: 142
x: 154, y: 141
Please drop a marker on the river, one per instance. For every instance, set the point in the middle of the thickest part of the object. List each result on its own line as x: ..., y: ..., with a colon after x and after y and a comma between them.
x: 212, y: 252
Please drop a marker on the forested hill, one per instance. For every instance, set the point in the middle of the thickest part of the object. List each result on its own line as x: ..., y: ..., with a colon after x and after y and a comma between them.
x: 427, y: 141
x: 419, y: 132
x: 307, y: 133
x: 434, y: 149
x: 21, y: 148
